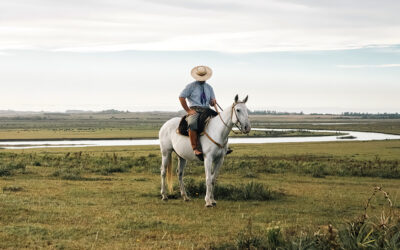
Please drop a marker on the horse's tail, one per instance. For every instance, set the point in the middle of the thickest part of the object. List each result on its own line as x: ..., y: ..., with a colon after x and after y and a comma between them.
x: 169, y: 174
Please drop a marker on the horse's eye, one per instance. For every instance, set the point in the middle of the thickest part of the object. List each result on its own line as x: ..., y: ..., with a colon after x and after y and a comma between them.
x: 238, y: 110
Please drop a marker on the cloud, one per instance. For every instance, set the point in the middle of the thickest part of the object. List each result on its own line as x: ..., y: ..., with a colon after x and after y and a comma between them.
x: 231, y: 26
x: 394, y: 65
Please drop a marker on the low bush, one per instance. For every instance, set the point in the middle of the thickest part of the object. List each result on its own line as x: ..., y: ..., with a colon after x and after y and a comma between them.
x: 68, y: 174
x: 318, y: 171
x: 12, y: 189
x: 249, y: 191
x: 250, y: 175
x: 11, y: 168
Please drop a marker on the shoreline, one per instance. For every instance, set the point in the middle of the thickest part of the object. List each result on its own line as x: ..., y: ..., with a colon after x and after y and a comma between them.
x: 144, y: 138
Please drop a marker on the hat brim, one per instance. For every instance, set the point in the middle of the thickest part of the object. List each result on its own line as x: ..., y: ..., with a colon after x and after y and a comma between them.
x: 203, y: 77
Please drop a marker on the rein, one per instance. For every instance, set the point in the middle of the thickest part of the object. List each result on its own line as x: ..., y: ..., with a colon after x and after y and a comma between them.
x: 233, y: 110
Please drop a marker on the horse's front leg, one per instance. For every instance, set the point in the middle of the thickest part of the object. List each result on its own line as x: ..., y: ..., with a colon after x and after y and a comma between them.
x: 209, y: 187
x: 214, y: 175
x: 181, y: 166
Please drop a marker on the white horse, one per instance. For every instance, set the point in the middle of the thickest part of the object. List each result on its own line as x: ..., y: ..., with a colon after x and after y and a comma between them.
x: 213, y: 143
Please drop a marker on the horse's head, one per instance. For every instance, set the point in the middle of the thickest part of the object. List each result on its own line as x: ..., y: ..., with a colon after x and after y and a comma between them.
x: 240, y: 115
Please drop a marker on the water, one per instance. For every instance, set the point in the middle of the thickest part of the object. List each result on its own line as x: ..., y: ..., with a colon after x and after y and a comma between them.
x: 360, y: 136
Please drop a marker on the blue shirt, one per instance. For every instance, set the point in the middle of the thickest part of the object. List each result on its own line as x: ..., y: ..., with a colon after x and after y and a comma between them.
x: 193, y: 91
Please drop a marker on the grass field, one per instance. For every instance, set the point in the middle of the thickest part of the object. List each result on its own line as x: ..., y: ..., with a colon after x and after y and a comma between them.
x: 133, y: 133
x: 108, y: 197
x: 146, y: 125
x: 269, y: 195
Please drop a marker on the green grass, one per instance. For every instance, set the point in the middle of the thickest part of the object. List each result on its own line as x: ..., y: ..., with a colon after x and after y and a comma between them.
x: 78, y: 134
x: 76, y: 126
x: 108, y: 197
x: 146, y: 125
x: 247, y: 191
x: 389, y: 126
x: 11, y: 168
x: 127, y: 133
x: 293, y: 133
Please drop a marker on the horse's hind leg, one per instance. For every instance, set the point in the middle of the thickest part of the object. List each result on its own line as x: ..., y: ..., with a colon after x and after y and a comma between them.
x: 181, y: 166
x: 165, y: 162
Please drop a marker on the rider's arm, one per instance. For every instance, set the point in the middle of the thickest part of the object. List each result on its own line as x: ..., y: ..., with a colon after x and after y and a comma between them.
x: 213, y: 102
x: 186, y: 92
x: 185, y: 106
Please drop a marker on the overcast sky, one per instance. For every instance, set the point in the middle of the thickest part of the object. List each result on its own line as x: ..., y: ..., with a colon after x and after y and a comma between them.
x: 312, y: 55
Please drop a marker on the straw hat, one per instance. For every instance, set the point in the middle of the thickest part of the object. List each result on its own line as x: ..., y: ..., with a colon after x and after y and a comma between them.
x: 201, y: 73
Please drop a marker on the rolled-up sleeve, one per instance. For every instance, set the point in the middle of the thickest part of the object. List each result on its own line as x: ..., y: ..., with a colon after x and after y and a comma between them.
x: 212, y: 95
x: 186, y: 91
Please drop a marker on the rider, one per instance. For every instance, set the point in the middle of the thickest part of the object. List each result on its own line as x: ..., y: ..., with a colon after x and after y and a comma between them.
x: 200, y: 96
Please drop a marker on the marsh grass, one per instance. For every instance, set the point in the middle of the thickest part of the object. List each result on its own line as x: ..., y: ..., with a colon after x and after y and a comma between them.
x: 362, y: 232
x: 247, y: 165
x: 316, y: 166
x: 250, y: 175
x: 318, y: 171
x: 126, y: 212
x: 289, y: 133
x: 73, y: 174
x: 68, y: 174
x: 242, y: 192
x: 251, y: 191
x: 141, y: 179
x: 12, y: 189
x: 11, y: 168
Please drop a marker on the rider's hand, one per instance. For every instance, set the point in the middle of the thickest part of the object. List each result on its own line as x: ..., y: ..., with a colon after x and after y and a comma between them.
x: 191, y: 112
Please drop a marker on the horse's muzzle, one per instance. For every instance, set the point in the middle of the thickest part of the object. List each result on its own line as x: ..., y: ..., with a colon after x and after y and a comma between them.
x: 246, y: 129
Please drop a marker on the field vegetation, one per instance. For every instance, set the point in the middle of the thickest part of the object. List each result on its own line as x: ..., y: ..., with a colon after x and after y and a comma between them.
x: 288, y: 196
x: 327, y: 122
x: 127, y: 125
x: 325, y: 195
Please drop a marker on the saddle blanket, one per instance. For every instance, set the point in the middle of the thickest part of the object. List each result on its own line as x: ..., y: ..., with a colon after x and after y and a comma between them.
x: 201, y: 122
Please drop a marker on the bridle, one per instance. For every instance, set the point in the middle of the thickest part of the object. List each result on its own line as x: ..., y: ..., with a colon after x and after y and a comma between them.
x: 233, y: 110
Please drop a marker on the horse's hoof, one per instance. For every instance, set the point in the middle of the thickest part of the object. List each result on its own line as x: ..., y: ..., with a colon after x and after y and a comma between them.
x: 214, y: 204
x: 186, y: 199
x: 209, y: 205
x: 164, y: 198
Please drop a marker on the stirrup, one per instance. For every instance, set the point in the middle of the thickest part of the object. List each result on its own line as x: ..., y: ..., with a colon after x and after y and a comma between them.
x: 199, y: 156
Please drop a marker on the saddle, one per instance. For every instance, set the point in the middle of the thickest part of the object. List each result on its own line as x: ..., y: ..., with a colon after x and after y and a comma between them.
x: 201, y: 122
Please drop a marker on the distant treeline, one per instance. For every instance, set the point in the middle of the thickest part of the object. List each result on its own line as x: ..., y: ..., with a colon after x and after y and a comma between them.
x: 273, y: 112
x: 112, y: 111
x: 373, y: 116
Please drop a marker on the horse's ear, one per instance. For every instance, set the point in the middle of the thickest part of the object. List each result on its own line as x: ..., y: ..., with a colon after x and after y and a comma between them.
x: 245, y: 99
x: 236, y: 98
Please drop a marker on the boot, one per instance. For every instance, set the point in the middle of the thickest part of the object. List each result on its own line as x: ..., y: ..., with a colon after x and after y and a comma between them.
x: 194, y: 140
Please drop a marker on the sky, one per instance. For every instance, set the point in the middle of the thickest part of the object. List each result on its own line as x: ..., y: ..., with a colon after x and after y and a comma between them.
x: 287, y: 55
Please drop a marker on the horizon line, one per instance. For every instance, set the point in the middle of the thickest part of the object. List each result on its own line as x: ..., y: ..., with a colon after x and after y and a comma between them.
x: 267, y: 111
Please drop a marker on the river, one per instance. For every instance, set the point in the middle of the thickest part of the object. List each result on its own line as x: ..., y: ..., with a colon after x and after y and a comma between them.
x: 358, y: 136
